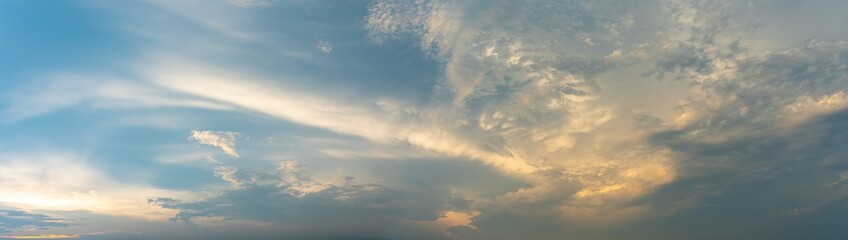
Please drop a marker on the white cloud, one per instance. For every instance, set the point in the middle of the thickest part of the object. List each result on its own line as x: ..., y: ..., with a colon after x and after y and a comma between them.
x: 66, y: 90
x: 368, y: 121
x: 324, y: 46
x: 229, y: 174
x: 296, y: 182
x: 222, y: 139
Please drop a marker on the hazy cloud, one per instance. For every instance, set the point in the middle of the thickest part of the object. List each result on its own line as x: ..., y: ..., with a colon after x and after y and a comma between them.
x: 16, y: 220
x: 341, y: 207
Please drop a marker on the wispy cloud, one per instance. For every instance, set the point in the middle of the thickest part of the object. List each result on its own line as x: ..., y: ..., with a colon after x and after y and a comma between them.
x: 221, y: 139
x: 368, y: 121
x: 58, y: 91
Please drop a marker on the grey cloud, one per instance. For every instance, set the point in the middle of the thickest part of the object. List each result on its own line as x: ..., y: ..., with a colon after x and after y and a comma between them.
x: 761, y: 93
x: 775, y: 186
x: 11, y: 220
x: 750, y: 164
x: 344, y: 207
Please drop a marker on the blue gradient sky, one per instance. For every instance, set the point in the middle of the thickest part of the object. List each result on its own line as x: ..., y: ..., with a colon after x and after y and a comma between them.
x: 391, y: 119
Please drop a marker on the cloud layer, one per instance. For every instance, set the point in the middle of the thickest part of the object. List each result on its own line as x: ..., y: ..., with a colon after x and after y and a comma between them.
x: 342, y: 207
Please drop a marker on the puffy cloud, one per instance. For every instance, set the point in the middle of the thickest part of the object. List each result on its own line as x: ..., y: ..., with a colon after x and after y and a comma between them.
x: 580, y: 88
x: 222, y: 139
x: 532, y: 92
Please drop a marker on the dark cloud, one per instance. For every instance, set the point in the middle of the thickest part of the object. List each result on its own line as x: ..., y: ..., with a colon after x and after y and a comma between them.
x: 750, y: 167
x: 775, y: 186
x: 759, y: 95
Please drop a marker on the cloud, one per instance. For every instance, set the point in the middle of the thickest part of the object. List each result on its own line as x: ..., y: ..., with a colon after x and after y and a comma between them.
x: 369, y: 121
x: 56, y: 91
x: 772, y: 118
x: 222, y: 139
x: 769, y: 92
x: 341, y: 207
x: 781, y: 178
x: 631, y: 116
x: 324, y: 46
x: 11, y: 220
x: 531, y: 91
x: 65, y: 181
x: 532, y: 86
x: 539, y: 109
x: 228, y: 174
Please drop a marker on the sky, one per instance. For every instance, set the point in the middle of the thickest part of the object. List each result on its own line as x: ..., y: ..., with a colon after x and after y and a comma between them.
x: 424, y: 119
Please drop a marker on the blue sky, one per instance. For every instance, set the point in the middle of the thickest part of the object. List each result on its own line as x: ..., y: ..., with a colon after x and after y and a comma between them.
x: 431, y: 119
